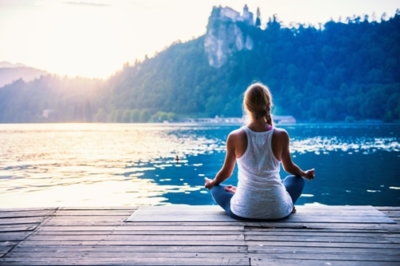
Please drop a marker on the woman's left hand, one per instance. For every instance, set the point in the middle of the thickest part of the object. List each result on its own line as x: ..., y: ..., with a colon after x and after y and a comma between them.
x: 230, y: 188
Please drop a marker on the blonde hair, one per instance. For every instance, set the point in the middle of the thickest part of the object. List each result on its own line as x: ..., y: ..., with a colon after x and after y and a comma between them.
x: 257, y: 102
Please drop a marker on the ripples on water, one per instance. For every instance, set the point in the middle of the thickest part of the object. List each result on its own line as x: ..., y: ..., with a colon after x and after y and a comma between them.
x: 134, y: 164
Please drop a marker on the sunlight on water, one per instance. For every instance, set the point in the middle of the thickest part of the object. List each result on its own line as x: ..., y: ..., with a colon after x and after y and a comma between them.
x: 325, y: 145
x: 134, y: 164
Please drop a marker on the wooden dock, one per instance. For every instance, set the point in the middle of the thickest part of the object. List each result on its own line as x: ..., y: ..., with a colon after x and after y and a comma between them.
x: 326, y: 235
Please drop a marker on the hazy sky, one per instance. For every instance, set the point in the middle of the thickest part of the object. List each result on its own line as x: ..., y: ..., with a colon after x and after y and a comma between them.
x: 95, y: 37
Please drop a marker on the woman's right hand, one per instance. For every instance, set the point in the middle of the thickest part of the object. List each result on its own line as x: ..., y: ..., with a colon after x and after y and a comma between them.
x: 309, y: 174
x: 209, y: 183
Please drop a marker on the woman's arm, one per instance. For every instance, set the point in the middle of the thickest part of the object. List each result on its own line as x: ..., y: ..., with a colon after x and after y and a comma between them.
x: 227, y: 167
x: 286, y: 159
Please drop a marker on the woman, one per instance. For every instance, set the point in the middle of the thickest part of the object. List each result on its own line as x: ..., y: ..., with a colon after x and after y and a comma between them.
x: 258, y: 148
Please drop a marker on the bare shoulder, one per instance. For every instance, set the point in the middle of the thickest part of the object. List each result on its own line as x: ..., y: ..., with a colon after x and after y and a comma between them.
x: 281, y: 135
x: 237, y: 140
x: 237, y: 134
x: 280, y: 132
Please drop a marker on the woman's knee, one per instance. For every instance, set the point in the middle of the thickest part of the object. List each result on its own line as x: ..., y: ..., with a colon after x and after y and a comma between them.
x: 294, y: 180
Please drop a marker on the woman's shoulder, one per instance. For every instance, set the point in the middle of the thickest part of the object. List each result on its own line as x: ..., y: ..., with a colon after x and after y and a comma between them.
x: 237, y: 133
x: 280, y: 133
x: 278, y: 130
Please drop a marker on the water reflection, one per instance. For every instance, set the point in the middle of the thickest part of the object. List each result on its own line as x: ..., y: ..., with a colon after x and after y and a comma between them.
x: 130, y: 164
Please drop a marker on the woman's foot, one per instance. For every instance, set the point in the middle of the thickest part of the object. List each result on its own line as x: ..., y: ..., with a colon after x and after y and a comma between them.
x: 294, y: 210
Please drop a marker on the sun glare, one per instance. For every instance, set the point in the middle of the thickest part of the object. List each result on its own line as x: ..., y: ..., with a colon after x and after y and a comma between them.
x: 77, y: 41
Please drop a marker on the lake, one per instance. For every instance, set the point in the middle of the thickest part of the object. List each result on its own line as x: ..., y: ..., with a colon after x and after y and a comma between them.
x: 47, y: 165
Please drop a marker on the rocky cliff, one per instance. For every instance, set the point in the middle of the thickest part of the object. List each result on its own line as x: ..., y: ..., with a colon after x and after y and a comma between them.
x: 224, y: 35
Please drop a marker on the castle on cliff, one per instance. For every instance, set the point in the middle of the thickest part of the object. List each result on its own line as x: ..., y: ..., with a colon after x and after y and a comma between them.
x: 224, y: 36
x: 246, y: 17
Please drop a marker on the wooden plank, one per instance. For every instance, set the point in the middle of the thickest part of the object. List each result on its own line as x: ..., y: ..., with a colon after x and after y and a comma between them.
x: 323, y: 226
x: 132, y: 233
x: 25, y: 213
x: 188, y: 242
x: 131, y: 249
x: 294, y: 234
x: 102, y: 208
x: 109, y: 237
x: 316, y: 238
x: 256, y: 244
x: 146, y: 228
x: 331, y: 257
x: 22, y: 220
x: 17, y: 228
x: 316, y: 262
x: 328, y: 214
x: 130, y: 261
x: 345, y: 228
x: 124, y: 213
x: 33, y: 209
x: 388, y: 208
x: 4, y: 250
x: 13, y: 236
x: 321, y: 250
x: 119, y: 255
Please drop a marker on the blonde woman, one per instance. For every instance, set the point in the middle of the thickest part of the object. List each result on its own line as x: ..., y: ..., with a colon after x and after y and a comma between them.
x: 259, y: 148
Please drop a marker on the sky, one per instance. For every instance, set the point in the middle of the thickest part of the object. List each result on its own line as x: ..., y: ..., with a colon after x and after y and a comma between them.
x: 94, y: 38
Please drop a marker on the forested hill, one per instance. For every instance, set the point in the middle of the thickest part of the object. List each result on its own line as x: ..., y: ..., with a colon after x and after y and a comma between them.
x: 334, y: 72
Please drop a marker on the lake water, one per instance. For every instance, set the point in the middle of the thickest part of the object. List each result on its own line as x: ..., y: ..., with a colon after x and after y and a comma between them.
x: 45, y: 165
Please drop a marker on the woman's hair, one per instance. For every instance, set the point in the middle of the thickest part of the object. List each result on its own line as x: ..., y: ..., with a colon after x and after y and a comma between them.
x: 257, y: 102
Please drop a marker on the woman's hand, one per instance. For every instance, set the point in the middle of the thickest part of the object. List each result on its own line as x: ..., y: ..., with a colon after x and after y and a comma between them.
x: 209, y: 183
x: 309, y: 174
x: 230, y: 188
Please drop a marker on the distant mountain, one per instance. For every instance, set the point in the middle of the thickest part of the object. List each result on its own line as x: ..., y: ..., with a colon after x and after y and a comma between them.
x: 11, y: 72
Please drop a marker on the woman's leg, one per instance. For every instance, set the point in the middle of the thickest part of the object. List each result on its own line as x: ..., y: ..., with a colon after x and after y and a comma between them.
x: 223, y: 199
x: 294, y: 186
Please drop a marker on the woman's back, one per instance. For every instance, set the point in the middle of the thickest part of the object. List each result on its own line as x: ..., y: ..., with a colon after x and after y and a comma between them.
x: 260, y: 192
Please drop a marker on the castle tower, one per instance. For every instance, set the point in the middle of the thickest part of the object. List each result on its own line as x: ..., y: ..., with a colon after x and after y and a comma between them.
x: 247, y: 16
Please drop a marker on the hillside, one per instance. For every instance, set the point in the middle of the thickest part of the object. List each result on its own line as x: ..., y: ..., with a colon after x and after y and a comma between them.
x: 12, y: 72
x: 339, y: 71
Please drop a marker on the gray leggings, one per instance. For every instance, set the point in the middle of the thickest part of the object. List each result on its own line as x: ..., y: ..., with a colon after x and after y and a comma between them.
x: 294, y: 186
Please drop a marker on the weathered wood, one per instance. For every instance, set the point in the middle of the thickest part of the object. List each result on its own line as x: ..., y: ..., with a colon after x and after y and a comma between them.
x: 321, y: 250
x: 134, y: 232
x: 316, y: 235
x: 13, y: 236
x: 316, y: 238
x: 33, y: 209
x: 332, y: 257
x: 17, y: 228
x: 133, y: 242
x: 123, y: 213
x: 22, y: 220
x: 102, y: 208
x: 256, y: 244
x: 315, y: 262
x: 122, y: 254
x: 141, y: 248
x: 25, y: 213
x: 159, y: 238
x: 129, y: 228
x: 130, y: 261
x: 4, y: 250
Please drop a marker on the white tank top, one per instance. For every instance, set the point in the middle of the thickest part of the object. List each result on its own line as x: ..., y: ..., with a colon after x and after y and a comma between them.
x: 260, y: 193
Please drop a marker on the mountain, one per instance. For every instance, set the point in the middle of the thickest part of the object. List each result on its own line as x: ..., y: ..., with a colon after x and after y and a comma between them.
x: 332, y: 73
x: 339, y: 71
x: 11, y: 72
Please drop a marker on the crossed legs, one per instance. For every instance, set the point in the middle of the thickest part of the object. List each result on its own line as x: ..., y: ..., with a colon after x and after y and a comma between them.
x: 294, y: 186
